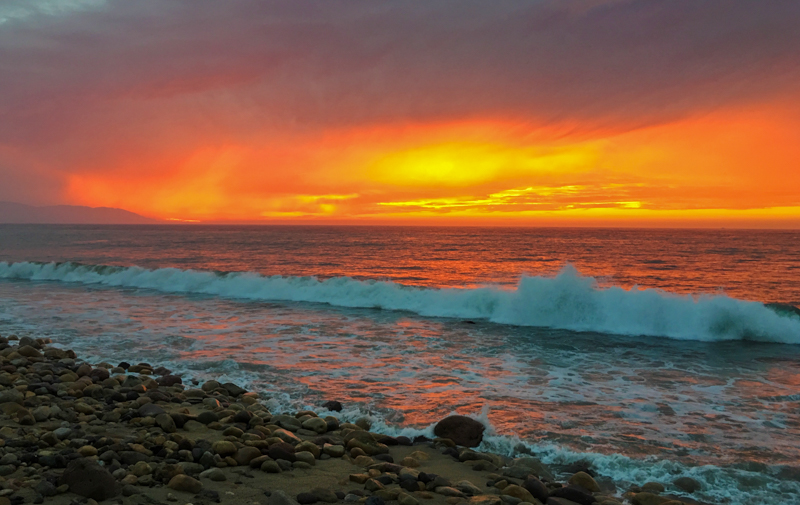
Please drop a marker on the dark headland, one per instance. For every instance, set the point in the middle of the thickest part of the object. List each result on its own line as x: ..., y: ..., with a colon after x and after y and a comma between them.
x: 17, y: 213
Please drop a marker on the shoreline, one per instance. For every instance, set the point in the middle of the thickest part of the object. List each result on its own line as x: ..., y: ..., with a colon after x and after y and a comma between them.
x: 71, y: 432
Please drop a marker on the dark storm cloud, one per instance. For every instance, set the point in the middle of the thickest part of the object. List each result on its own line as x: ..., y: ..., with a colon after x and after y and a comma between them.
x: 128, y: 71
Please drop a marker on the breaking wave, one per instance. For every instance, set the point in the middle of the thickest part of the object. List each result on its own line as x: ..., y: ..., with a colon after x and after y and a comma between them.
x: 566, y: 301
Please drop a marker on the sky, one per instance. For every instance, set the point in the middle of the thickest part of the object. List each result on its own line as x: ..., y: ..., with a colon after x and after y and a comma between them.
x: 509, y: 112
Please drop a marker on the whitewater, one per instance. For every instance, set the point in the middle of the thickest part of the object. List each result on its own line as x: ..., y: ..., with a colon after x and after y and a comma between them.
x: 567, y: 300
x: 644, y: 354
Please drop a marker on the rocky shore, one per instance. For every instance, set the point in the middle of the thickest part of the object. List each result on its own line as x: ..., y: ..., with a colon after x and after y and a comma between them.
x: 73, y: 432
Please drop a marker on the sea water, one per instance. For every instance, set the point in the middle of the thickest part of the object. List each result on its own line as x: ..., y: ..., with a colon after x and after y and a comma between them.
x: 646, y: 354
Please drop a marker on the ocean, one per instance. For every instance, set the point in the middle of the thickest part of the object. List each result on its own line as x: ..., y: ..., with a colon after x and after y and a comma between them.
x: 646, y: 354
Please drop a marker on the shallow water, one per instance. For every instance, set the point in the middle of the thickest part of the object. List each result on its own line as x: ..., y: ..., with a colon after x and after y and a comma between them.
x: 717, y: 400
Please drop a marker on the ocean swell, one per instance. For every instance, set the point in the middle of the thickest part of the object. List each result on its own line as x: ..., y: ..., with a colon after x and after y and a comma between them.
x: 565, y: 301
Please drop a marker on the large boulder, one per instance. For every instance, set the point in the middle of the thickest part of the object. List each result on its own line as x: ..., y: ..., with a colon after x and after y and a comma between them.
x: 460, y: 429
x: 86, y: 478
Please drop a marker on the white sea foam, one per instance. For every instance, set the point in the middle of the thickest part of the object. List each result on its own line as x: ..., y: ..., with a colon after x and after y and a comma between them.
x: 732, y: 485
x: 566, y: 301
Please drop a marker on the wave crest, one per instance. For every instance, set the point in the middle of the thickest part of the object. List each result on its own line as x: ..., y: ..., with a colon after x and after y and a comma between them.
x: 567, y: 300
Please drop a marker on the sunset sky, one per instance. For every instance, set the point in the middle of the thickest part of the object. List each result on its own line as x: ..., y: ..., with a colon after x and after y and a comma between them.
x: 563, y: 112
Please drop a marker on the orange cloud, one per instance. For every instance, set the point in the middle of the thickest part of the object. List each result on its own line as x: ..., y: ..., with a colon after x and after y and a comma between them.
x: 737, y: 164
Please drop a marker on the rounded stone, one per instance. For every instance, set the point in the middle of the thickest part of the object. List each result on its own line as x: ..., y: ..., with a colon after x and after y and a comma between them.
x: 166, y: 423
x: 308, y: 447
x: 246, y: 454
x: 325, y: 495
x: 282, y: 450
x: 233, y: 431
x: 207, y: 417
x: 335, y: 451
x: 462, y: 430
x: 537, y: 489
x: 185, y: 483
x: 224, y: 448
x: 270, y: 466
x: 305, y: 457
x: 652, y: 487
x: 307, y: 498
x: 214, y: 474
x: 86, y: 478
x: 585, y: 481
x: 87, y: 451
x: 518, y: 492
x: 315, y: 424
x: 141, y: 468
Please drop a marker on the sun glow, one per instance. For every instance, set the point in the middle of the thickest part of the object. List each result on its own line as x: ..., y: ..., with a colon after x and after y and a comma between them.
x: 738, y: 164
x: 469, y: 164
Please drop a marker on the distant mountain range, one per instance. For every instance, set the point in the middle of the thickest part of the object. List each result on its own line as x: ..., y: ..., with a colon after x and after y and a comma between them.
x: 17, y: 213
